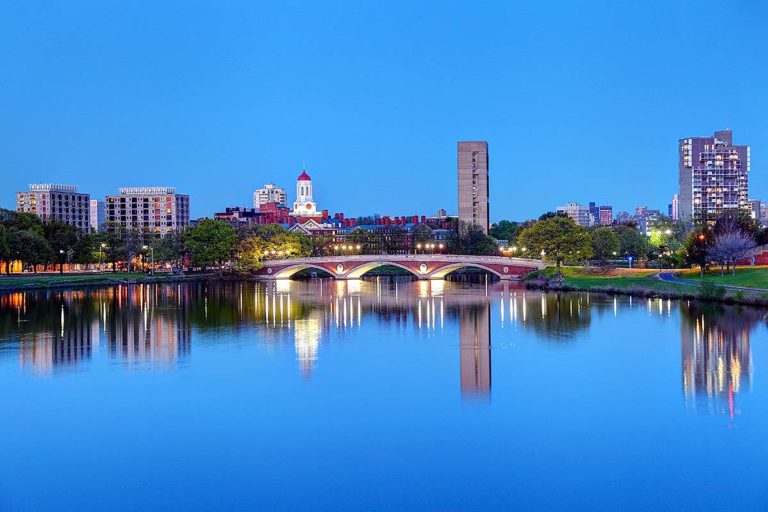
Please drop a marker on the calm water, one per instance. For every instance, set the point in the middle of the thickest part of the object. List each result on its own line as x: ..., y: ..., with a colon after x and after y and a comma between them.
x: 378, y: 395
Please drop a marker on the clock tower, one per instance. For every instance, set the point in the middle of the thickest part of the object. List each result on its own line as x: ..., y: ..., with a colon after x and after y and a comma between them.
x: 304, y: 206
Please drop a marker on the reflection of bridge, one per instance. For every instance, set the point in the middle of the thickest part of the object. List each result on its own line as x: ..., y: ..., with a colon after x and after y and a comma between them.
x: 423, y: 266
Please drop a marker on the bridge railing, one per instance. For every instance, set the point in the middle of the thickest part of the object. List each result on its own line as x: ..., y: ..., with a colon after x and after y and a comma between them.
x: 458, y: 258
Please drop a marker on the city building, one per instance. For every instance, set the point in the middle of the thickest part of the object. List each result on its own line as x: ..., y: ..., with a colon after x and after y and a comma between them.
x: 157, y: 210
x: 713, y: 176
x: 674, y: 210
x: 269, y: 193
x: 758, y: 210
x: 578, y: 213
x: 61, y: 203
x: 594, y: 210
x: 97, y: 215
x: 624, y: 218
x: 605, y: 215
x: 304, y: 207
x: 473, y: 183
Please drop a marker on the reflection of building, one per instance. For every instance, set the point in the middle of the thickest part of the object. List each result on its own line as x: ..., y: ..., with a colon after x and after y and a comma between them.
x: 67, y: 341
x: 147, y: 331
x: 475, y: 348
x: 716, y: 357
x: 306, y: 336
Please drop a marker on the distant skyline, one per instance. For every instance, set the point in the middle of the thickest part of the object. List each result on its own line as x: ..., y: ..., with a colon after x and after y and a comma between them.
x: 577, y: 102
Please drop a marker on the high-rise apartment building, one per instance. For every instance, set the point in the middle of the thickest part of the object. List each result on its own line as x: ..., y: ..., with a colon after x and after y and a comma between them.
x: 269, y: 193
x: 97, y: 214
x: 473, y: 183
x: 713, y: 176
x: 157, y: 210
x: 578, y: 213
x: 605, y: 215
x: 675, y: 208
x: 62, y: 203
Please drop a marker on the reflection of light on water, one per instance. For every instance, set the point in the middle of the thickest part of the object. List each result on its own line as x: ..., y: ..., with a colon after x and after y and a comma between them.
x: 437, y: 286
x: 423, y: 289
x: 543, y: 306
x: 501, y: 308
x: 353, y: 286
x: 341, y: 286
x: 615, y: 306
x: 283, y: 285
x: 306, y: 337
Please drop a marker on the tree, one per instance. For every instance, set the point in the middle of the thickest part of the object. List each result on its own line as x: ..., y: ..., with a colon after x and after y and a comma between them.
x: 549, y: 215
x: 29, y: 247
x: 729, y: 246
x: 211, y: 242
x: 505, y: 230
x: 169, y: 249
x: 605, y: 244
x: 470, y: 239
x: 697, y: 248
x: 631, y: 241
x: 557, y: 238
x: 5, y: 249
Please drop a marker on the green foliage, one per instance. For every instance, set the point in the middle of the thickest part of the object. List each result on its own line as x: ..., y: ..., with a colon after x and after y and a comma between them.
x: 169, y: 249
x: 505, y: 230
x: 257, y: 243
x: 470, y: 239
x: 697, y: 247
x: 631, y: 241
x: 559, y: 237
x: 711, y: 291
x: 605, y: 244
x: 211, y: 242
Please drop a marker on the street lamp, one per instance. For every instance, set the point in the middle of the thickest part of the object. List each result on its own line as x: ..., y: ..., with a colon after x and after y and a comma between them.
x: 152, y: 259
x: 61, y: 263
x: 101, y: 256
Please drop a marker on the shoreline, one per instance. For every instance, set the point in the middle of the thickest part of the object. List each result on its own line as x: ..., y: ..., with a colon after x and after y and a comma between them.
x: 81, y: 281
x: 713, y: 293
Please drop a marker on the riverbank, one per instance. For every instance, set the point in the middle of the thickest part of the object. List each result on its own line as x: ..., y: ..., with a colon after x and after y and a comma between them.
x: 16, y: 282
x: 640, y: 283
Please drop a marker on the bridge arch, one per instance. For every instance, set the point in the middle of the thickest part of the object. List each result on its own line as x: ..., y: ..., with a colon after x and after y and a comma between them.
x: 441, y: 272
x: 287, y: 272
x: 359, y: 271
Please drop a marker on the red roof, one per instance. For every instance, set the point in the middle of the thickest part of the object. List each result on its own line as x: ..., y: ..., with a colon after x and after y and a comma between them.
x: 304, y: 176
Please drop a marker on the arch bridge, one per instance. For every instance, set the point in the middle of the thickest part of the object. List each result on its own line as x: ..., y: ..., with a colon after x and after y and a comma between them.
x: 423, y: 266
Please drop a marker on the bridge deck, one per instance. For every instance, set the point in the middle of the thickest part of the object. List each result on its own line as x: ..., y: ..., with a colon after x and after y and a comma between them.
x: 423, y: 266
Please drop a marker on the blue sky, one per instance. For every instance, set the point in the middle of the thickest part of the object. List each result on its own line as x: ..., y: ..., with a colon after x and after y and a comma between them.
x: 578, y: 100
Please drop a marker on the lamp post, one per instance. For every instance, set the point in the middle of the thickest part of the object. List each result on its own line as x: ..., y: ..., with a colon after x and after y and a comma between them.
x: 152, y: 259
x: 101, y: 257
x: 61, y: 261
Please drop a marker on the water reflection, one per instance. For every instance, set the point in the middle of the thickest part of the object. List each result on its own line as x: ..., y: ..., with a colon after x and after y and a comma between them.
x: 152, y: 326
x: 716, y: 355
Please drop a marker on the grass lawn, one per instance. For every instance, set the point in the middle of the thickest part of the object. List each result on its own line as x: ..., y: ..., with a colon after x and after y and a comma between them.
x: 588, y: 278
x: 49, y: 279
x: 749, y: 277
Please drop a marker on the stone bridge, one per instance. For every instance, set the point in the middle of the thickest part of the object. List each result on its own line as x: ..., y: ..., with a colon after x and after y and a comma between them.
x: 423, y: 266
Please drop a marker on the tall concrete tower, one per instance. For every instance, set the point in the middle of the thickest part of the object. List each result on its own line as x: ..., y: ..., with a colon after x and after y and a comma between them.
x: 473, y: 183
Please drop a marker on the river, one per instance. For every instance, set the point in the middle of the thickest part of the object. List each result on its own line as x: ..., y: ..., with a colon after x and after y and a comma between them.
x: 380, y: 394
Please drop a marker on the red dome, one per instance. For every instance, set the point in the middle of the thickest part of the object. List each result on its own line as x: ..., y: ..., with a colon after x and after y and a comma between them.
x: 304, y: 176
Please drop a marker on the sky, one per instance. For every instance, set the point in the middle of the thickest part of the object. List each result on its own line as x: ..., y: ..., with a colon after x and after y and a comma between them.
x: 579, y: 101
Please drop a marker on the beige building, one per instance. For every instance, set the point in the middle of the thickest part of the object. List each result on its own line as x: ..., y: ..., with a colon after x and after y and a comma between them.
x: 158, y: 210
x: 473, y: 183
x: 62, y: 203
x: 269, y: 193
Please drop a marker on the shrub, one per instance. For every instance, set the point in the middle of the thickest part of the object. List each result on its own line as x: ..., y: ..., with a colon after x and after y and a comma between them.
x: 711, y: 291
